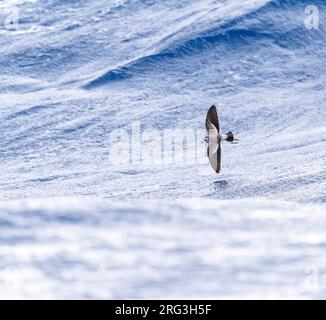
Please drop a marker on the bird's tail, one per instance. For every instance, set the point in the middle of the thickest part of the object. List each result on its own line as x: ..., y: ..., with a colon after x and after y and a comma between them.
x: 230, y: 137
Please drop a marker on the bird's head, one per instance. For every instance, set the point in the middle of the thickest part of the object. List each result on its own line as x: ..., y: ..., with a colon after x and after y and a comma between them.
x: 205, y: 140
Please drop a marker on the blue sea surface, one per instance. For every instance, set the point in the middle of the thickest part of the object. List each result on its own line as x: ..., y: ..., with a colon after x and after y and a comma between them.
x: 75, y: 224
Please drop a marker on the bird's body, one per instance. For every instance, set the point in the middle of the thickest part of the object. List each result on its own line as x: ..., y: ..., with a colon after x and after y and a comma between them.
x: 214, y: 138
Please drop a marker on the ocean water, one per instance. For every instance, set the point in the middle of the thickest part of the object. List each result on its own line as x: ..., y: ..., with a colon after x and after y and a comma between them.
x: 78, y: 220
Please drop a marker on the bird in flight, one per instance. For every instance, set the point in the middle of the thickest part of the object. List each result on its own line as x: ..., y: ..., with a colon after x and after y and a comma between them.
x: 214, y: 138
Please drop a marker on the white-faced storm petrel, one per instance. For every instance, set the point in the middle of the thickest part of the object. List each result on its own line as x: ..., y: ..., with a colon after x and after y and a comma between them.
x: 214, y: 138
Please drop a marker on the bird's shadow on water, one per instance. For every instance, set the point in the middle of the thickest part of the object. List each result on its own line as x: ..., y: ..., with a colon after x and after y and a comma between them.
x: 220, y: 184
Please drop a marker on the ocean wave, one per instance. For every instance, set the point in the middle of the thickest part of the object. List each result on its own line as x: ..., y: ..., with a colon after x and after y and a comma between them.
x: 258, y: 62
x: 265, y: 24
x: 78, y: 223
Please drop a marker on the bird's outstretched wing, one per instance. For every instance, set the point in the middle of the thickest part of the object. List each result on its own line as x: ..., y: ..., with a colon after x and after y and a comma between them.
x: 214, y: 142
x: 212, y: 119
x: 214, y: 156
